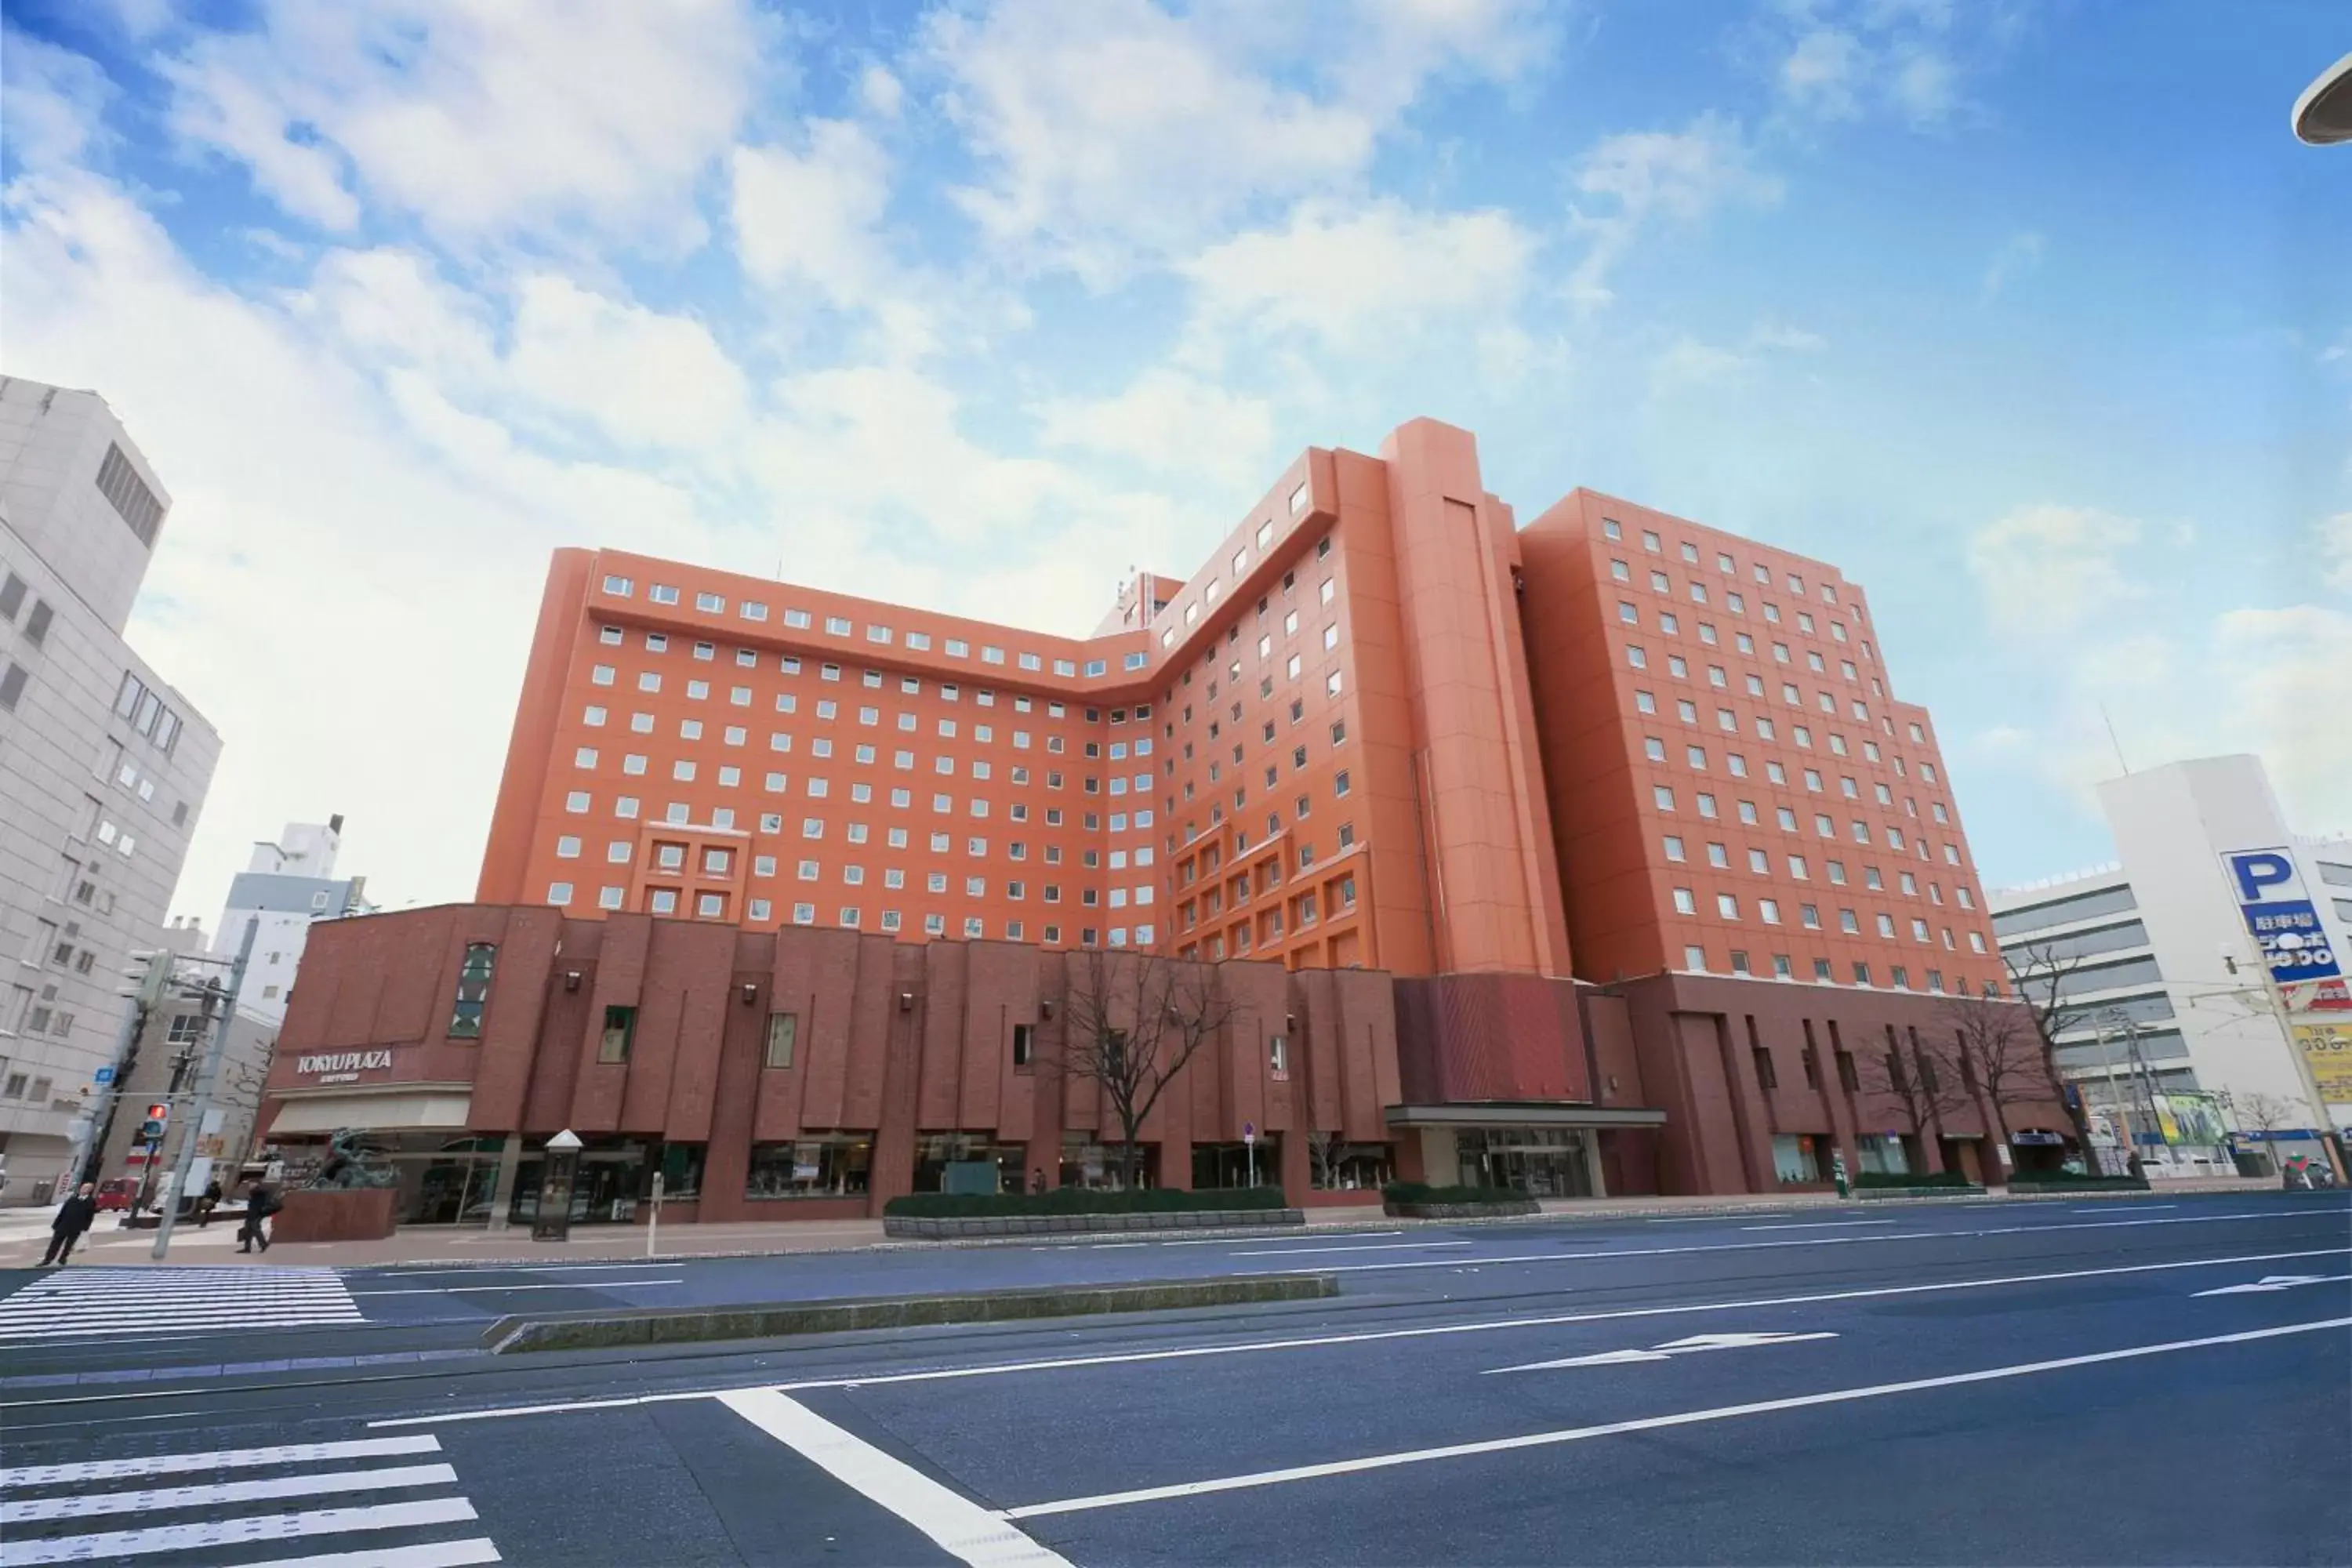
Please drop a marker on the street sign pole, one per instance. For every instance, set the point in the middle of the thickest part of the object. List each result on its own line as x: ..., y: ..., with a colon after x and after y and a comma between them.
x: 653, y: 1221
x: 1249, y: 1149
x: 206, y: 1077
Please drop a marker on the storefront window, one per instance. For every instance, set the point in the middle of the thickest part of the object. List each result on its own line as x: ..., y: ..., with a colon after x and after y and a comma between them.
x: 1797, y: 1157
x: 1881, y: 1154
x: 1086, y: 1164
x: 820, y: 1166
x: 681, y: 1172
x: 968, y: 1163
x: 1235, y: 1164
x: 1541, y: 1161
x: 614, y: 1172
x: 1352, y: 1167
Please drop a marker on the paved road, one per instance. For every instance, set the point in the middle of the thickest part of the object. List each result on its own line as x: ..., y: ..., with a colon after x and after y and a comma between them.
x: 2085, y: 1382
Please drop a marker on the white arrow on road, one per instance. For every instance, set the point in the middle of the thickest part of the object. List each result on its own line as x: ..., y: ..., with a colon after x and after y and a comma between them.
x: 2270, y: 1282
x: 1667, y: 1352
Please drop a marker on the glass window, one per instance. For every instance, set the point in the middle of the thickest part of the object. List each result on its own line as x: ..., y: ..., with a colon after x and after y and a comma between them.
x: 474, y: 976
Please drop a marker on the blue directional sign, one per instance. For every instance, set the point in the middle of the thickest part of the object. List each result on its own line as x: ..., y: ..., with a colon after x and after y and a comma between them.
x: 104, y: 1075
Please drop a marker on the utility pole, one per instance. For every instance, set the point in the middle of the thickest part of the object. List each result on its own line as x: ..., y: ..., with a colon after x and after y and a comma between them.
x: 2114, y: 1096
x: 153, y: 971
x: 206, y: 1077
x: 2321, y: 1118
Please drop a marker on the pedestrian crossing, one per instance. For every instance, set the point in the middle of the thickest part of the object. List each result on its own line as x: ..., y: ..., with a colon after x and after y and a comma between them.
x: 105, y: 1303
x: 394, y: 1507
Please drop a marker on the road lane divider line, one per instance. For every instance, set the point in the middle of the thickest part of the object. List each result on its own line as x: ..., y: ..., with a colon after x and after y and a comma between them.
x: 218, y: 1459
x: 495, y: 1289
x: 1244, y: 1241
x: 91, y: 1505
x: 959, y: 1526
x: 1650, y: 1423
x: 213, y: 1534
x: 1377, y: 1247
x: 423, y: 1554
x: 1818, y: 1224
x: 1193, y: 1352
x: 476, y: 1270
x: 2137, y: 1206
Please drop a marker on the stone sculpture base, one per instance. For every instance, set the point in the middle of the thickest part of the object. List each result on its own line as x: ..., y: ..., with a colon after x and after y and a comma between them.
x: 327, y: 1214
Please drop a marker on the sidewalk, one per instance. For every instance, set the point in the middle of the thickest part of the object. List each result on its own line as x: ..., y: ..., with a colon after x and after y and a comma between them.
x: 21, y: 1243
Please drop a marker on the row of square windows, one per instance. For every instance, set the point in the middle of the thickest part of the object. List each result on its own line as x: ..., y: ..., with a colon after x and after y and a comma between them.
x: 1726, y: 907
x: 1800, y: 870
x: 753, y: 610
x: 1671, y: 624
x: 1899, y: 977
x: 1610, y: 529
x: 758, y: 911
x: 1676, y: 666
x: 684, y: 770
x: 1663, y: 795
x: 1193, y: 609
x: 1736, y: 764
x: 715, y: 860
x: 678, y: 813
x: 1767, y: 729
x: 595, y: 716
x: 1619, y: 572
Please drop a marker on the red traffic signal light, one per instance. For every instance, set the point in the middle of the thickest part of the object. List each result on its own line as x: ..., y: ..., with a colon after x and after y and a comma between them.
x: 159, y: 1113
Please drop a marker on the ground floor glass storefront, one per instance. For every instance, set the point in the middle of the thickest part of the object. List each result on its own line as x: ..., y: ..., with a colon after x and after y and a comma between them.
x: 1541, y: 1161
x: 817, y: 1165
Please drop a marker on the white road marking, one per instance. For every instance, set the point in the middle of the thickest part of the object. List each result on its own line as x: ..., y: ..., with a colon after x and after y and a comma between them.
x: 1647, y: 1423
x: 960, y: 1526
x: 239, y: 1532
x: 2269, y: 1283
x: 2109, y: 1206
x: 89, y: 1505
x: 429, y: 1554
x: 1818, y: 1224
x: 219, y: 1459
x: 1376, y: 1246
x: 1244, y: 1241
x: 1693, y: 1346
x: 477, y: 1270
x: 1793, y: 1241
x: 1190, y: 1353
x: 497, y: 1289
x: 100, y: 1301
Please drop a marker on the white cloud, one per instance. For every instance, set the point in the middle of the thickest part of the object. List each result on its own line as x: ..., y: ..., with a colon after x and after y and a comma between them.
x: 2335, y: 550
x: 1111, y: 132
x: 640, y: 378
x: 480, y: 119
x: 2290, y: 672
x: 811, y: 217
x: 1167, y: 422
x: 2045, y: 567
x: 1644, y: 179
x: 2019, y: 254
x: 1819, y: 74
x: 392, y: 304
x: 52, y: 100
x: 1687, y: 363
x: 1790, y: 340
x: 1843, y: 59
x: 1352, y: 276
x: 882, y: 93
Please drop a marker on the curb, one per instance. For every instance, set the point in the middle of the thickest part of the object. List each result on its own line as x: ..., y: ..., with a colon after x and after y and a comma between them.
x: 664, y: 1325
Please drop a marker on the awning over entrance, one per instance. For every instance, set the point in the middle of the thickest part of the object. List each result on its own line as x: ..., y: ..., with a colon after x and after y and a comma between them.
x: 407, y: 1112
x: 1524, y: 1113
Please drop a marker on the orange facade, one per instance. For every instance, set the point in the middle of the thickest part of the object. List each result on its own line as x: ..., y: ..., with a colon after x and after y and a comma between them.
x: 1381, y: 727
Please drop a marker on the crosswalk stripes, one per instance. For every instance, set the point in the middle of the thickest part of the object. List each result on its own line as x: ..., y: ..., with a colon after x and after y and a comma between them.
x: 395, y: 1508
x: 86, y: 1303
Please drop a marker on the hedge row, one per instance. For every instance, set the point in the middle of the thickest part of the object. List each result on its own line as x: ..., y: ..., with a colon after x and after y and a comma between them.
x: 1422, y: 1192
x: 2077, y: 1181
x: 1081, y: 1200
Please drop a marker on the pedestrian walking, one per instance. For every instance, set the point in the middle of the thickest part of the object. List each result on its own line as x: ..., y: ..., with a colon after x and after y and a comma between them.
x: 75, y: 1216
x: 206, y: 1204
x: 261, y: 1201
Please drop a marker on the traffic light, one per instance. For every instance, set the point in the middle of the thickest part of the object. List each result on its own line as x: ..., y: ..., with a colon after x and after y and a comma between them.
x: 151, y: 1131
x: 149, y: 969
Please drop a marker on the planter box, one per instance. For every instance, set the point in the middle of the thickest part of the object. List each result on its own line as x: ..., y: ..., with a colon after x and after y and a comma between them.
x: 347, y: 1213
x: 1463, y: 1210
x: 923, y: 1227
x: 1972, y: 1190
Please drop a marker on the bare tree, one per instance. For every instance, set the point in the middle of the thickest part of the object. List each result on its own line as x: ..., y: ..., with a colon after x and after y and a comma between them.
x: 2042, y: 974
x: 1998, y: 1047
x: 2260, y: 1114
x: 1327, y: 1149
x: 1921, y: 1079
x: 1136, y: 1019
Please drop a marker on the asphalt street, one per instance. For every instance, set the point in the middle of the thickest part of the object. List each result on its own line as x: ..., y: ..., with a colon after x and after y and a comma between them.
x: 2166, y: 1380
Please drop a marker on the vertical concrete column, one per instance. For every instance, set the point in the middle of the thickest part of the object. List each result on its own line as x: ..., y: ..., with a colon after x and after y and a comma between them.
x: 502, y: 1192
x: 1592, y: 1171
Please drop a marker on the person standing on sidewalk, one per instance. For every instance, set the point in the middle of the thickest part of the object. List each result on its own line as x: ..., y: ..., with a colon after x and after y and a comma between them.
x: 261, y: 1203
x: 75, y: 1216
x: 206, y: 1204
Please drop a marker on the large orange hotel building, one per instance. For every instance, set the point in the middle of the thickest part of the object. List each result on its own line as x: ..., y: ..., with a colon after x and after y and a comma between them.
x: 1593, y: 857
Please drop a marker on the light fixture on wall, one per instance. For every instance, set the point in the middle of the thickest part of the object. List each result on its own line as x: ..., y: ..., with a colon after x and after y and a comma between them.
x: 751, y: 993
x: 905, y: 1001
x: 1045, y: 1009
x: 572, y: 980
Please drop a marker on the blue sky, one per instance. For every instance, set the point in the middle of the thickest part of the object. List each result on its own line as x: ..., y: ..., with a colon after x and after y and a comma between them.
x: 2029, y: 314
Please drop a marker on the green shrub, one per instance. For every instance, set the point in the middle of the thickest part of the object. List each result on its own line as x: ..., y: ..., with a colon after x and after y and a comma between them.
x: 1422, y: 1192
x: 1914, y: 1178
x: 2077, y: 1181
x: 1079, y: 1200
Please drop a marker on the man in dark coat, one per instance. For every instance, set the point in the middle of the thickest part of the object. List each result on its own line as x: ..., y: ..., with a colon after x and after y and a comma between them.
x: 74, y: 1216
x: 261, y: 1201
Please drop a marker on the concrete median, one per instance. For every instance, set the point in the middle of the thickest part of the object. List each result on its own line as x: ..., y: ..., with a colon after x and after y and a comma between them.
x: 675, y: 1325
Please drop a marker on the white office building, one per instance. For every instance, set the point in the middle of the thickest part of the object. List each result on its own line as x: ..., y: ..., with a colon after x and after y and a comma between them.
x: 285, y: 887
x: 103, y: 767
x: 2166, y: 997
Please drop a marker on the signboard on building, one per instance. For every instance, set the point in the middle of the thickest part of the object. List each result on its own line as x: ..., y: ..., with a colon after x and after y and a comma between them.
x: 2286, y: 926
x: 2328, y: 1048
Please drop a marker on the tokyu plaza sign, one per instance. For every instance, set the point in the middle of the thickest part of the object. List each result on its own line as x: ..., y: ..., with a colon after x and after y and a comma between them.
x: 340, y: 1067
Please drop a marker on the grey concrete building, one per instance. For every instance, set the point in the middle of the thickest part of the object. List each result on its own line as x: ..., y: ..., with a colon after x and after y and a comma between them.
x: 286, y: 885
x: 103, y: 767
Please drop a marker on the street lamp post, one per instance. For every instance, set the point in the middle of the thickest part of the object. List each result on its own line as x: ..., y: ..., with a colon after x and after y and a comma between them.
x: 2323, y: 115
